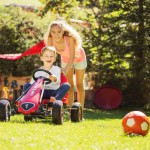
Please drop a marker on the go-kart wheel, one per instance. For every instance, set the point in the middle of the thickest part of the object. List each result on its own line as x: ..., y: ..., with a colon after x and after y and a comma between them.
x: 43, y: 70
x: 76, y: 112
x: 28, y: 118
x: 57, y: 112
x: 5, y: 110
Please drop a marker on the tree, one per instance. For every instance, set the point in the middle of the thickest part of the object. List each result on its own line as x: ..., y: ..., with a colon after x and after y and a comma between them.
x: 17, y: 34
x: 116, y: 44
x: 119, y: 48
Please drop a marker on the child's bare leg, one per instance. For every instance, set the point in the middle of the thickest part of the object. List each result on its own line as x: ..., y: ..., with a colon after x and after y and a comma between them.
x: 52, y: 99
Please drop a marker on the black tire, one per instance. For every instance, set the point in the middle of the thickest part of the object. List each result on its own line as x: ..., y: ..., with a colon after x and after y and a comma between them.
x: 76, y: 112
x: 5, y: 110
x: 57, y: 112
x: 28, y: 118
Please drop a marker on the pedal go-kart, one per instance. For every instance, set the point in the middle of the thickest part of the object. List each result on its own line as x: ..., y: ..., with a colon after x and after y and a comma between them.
x: 32, y: 105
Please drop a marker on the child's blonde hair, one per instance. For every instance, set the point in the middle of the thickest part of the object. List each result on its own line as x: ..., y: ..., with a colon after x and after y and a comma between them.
x: 68, y: 31
x: 50, y: 48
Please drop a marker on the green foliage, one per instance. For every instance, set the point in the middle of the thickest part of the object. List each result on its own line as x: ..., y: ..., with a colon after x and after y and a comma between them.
x: 116, y: 43
x: 35, y: 3
x: 65, y: 8
x: 18, y: 33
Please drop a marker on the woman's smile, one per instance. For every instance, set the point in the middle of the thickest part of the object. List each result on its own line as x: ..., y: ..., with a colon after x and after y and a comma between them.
x: 57, y: 33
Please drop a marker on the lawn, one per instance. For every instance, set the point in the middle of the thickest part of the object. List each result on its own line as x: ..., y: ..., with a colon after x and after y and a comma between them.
x: 101, y: 130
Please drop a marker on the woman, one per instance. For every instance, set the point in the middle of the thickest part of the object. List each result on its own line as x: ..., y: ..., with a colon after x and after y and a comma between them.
x: 67, y: 43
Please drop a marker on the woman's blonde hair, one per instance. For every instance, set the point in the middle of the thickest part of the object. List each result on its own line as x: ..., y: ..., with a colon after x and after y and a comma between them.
x: 68, y: 31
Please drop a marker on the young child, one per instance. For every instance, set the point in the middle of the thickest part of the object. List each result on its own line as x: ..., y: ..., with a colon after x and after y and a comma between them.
x: 53, y: 91
x: 67, y: 42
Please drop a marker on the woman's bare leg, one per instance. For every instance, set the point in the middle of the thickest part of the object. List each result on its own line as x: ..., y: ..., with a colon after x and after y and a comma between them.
x: 79, y: 85
x: 70, y: 81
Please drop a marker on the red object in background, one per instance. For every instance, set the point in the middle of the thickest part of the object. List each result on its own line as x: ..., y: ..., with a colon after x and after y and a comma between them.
x: 135, y: 122
x: 34, y: 50
x: 107, y: 97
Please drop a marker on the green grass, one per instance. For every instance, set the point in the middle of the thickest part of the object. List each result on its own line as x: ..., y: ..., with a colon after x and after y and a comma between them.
x: 101, y: 130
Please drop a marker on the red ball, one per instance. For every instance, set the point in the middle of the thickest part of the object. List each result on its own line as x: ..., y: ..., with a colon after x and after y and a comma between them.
x: 135, y: 122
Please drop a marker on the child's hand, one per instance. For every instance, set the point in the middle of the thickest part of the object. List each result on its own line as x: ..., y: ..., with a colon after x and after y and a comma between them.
x: 53, y: 78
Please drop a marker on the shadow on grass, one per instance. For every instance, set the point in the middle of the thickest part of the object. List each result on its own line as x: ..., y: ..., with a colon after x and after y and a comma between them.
x: 19, y: 118
x: 89, y: 114
x: 119, y: 113
x: 92, y: 114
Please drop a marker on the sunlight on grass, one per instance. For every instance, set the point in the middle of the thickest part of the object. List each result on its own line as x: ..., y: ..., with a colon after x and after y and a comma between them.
x: 100, y: 130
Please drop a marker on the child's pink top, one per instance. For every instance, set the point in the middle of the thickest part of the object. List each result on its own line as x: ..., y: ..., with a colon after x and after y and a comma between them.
x: 79, y: 55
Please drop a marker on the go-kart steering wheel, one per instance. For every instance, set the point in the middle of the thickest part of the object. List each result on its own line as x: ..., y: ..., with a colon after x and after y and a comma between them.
x: 45, y: 79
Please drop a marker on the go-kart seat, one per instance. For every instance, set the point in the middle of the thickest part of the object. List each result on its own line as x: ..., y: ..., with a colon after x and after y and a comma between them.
x: 65, y: 99
x: 63, y: 80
